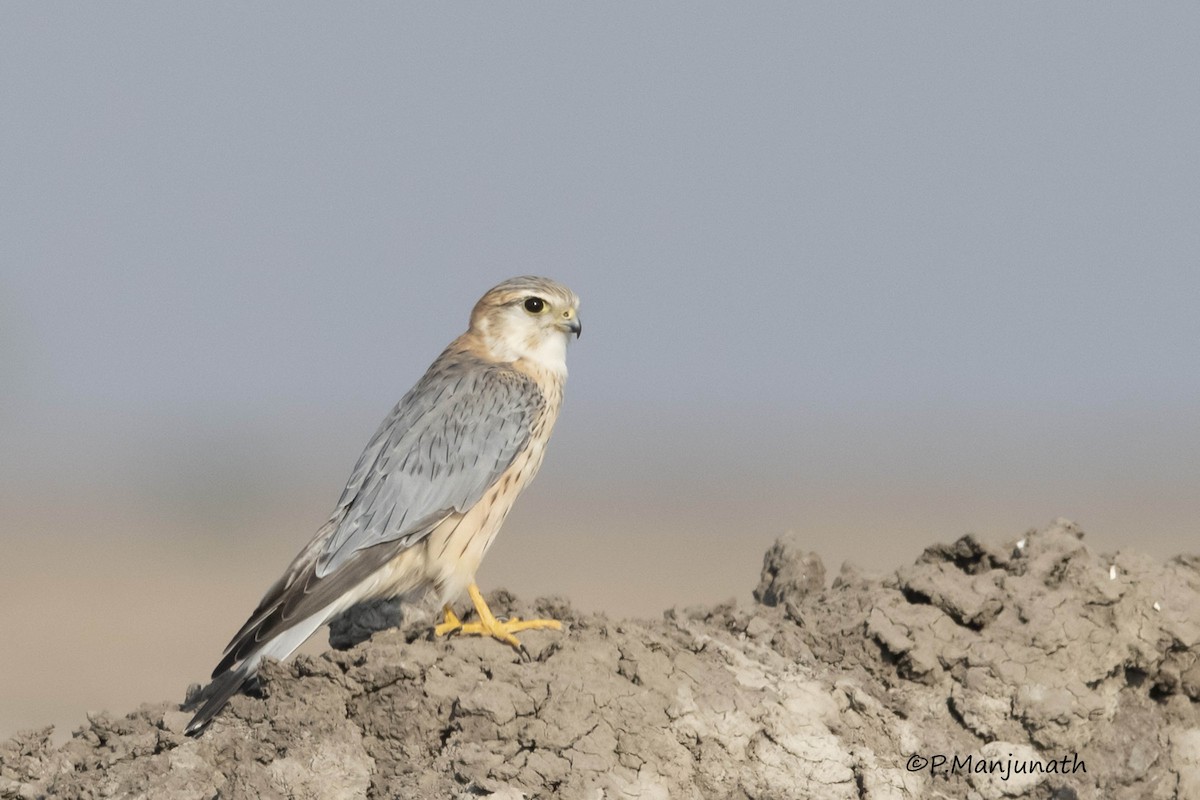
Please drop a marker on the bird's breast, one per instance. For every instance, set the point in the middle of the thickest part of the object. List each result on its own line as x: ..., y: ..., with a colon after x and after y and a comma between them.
x: 456, y: 547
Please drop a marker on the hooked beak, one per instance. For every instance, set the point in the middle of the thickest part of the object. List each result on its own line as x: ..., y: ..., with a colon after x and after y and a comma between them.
x: 570, y: 323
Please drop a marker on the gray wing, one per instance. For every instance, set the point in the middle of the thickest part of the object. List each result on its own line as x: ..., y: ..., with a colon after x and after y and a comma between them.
x: 436, y: 453
x: 440, y: 449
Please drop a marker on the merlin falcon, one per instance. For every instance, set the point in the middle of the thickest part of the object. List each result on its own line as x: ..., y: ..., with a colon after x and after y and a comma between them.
x: 430, y: 492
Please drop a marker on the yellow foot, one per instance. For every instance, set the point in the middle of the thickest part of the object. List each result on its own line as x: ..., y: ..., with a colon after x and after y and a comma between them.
x: 452, y: 623
x: 488, y: 625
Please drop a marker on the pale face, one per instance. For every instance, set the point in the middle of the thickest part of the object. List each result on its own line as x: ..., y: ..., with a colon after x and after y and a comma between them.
x: 528, y: 318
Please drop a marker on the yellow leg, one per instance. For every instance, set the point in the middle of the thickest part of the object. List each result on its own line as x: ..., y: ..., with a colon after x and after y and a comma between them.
x: 488, y: 625
x: 452, y: 623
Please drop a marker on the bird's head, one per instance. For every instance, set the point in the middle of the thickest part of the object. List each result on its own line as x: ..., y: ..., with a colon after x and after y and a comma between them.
x: 528, y: 318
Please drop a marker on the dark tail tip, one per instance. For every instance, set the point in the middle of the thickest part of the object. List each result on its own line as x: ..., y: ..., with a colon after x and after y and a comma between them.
x: 212, y: 698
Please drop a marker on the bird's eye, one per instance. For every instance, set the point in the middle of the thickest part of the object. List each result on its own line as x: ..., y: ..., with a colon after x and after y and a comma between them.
x: 535, y: 305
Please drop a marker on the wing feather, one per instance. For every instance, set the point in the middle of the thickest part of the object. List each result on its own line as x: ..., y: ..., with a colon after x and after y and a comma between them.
x: 432, y: 459
x: 436, y: 454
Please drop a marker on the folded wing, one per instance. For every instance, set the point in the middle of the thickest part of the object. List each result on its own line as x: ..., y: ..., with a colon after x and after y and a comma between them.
x: 439, y: 450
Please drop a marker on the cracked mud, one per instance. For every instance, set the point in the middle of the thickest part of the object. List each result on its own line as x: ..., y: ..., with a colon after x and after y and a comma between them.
x: 1039, y: 648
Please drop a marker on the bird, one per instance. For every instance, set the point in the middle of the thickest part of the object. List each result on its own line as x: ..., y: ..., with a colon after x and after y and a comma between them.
x: 431, y: 490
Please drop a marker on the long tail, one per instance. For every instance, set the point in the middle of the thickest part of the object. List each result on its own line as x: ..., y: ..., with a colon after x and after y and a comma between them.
x: 212, y: 698
x: 229, y: 679
x: 291, y: 611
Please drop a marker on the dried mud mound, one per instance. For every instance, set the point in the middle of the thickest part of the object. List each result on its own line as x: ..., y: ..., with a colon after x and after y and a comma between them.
x: 1038, y: 651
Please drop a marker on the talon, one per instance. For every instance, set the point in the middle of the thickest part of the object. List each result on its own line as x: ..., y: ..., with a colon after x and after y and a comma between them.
x: 450, y: 626
x: 488, y: 625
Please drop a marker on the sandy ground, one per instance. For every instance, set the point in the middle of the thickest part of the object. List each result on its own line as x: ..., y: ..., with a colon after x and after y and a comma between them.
x: 1039, y: 651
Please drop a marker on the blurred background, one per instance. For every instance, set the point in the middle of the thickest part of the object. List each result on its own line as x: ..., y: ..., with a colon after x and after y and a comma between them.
x: 879, y: 276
